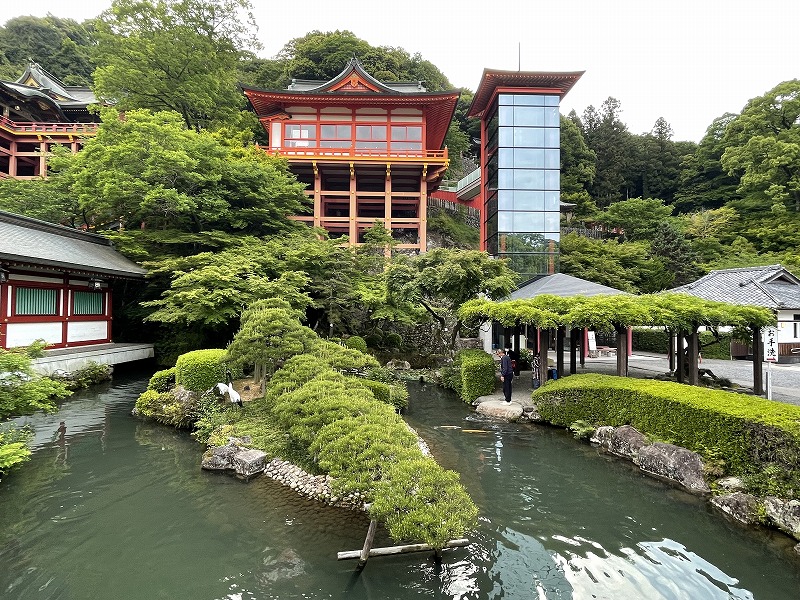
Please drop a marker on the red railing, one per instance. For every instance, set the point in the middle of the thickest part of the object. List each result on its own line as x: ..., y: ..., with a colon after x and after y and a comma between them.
x: 351, y: 153
x: 29, y: 127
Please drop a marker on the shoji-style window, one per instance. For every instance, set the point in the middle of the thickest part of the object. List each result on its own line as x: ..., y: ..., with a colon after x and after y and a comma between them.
x: 36, y: 301
x: 87, y: 303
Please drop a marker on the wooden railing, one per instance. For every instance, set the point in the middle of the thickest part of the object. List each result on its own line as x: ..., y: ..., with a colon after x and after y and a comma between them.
x: 355, y: 153
x: 31, y: 127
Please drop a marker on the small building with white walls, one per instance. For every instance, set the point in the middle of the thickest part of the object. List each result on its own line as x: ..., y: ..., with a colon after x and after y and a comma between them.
x: 55, y: 285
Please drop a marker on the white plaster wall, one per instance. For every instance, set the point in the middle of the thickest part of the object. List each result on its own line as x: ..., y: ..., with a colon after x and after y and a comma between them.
x: 84, y: 331
x: 24, y: 334
x: 786, y: 327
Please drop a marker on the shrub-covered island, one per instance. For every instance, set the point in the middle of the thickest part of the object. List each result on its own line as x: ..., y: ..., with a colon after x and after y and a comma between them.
x: 326, y: 408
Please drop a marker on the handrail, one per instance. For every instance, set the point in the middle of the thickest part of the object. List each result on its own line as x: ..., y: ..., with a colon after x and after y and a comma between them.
x: 35, y: 127
x: 307, y: 152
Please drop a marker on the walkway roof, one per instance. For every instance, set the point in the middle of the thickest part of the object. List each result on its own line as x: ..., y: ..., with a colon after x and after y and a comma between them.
x: 563, y: 285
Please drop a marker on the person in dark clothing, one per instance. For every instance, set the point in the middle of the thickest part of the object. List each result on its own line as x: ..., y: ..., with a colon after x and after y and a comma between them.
x: 506, y: 373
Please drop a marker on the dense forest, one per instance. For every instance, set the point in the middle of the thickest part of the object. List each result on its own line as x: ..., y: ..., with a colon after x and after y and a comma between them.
x: 204, y: 211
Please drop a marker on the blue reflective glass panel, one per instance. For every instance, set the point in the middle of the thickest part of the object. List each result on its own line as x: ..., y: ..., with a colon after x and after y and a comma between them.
x: 531, y: 158
x: 528, y: 200
x: 528, y: 221
x: 504, y: 220
x: 551, y: 116
x: 531, y: 116
x: 552, y: 159
x: 551, y: 180
x: 528, y: 179
x: 505, y: 200
x: 552, y: 222
x: 506, y: 138
x: 532, y: 137
x: 551, y: 201
x: 528, y: 100
x: 552, y: 137
x: 505, y: 158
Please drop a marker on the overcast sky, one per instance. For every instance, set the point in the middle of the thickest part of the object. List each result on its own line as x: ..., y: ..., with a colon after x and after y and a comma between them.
x: 688, y: 61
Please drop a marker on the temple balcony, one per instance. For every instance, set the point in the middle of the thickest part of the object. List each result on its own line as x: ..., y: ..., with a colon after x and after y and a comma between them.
x: 308, y: 154
x: 20, y: 127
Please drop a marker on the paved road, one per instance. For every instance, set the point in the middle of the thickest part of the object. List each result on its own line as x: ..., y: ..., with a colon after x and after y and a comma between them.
x: 785, y: 377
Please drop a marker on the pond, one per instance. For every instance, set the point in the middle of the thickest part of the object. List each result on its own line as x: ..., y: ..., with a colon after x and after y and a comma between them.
x: 119, y: 508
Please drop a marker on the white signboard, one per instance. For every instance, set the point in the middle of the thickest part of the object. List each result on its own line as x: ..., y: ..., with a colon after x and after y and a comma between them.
x: 771, y: 344
x: 592, y: 342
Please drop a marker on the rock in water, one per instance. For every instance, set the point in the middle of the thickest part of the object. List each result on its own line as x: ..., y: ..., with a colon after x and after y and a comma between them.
x: 249, y: 462
x: 675, y: 463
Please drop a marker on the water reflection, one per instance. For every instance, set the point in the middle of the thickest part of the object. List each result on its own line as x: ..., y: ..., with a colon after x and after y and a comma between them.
x: 113, y: 507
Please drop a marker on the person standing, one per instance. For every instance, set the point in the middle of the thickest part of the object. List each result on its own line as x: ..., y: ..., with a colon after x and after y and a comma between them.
x: 506, y: 373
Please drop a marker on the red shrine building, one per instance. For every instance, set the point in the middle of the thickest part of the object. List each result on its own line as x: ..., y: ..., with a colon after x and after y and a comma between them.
x: 38, y: 111
x: 367, y: 150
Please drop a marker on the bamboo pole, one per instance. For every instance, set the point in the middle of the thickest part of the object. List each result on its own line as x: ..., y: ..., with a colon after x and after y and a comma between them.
x: 391, y: 550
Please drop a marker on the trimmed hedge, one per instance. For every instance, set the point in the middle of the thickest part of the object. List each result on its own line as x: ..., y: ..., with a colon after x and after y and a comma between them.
x: 200, y: 370
x: 472, y: 374
x: 746, y: 432
x: 162, y: 381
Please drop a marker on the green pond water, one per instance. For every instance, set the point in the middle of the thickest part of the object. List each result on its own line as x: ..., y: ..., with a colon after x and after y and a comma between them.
x: 119, y: 509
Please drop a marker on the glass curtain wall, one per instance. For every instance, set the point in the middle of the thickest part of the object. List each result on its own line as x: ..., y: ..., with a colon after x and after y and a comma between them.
x: 523, y: 182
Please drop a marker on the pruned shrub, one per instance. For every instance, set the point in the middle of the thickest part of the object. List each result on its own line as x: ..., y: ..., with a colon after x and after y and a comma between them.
x: 418, y: 500
x: 355, y: 451
x: 356, y: 342
x: 162, y: 381
x: 472, y: 374
x: 343, y: 358
x: 200, y: 370
x: 90, y: 374
x: 745, y: 432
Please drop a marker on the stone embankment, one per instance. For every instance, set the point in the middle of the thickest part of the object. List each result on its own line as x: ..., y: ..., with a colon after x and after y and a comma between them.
x: 673, y: 464
x: 236, y: 457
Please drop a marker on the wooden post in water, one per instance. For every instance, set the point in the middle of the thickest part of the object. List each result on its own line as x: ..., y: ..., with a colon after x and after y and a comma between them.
x: 362, y: 560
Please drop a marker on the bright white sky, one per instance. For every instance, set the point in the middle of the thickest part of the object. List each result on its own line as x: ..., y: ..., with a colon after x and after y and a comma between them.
x: 688, y: 61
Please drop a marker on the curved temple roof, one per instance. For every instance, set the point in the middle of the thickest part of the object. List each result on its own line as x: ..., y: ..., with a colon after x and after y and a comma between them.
x: 355, y: 87
x: 540, y: 81
x: 33, y: 243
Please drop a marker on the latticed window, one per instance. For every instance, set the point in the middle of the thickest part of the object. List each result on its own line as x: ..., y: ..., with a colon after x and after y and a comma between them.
x: 87, y: 303
x: 36, y: 301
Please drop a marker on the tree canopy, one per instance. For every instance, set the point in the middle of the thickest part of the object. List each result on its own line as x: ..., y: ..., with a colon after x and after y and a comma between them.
x: 179, y: 55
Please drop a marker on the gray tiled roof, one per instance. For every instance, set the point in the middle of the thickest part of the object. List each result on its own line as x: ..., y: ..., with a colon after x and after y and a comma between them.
x: 561, y: 284
x: 25, y: 241
x: 770, y: 287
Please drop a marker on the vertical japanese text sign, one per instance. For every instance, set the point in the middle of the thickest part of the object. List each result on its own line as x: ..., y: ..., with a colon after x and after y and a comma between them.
x: 771, y: 344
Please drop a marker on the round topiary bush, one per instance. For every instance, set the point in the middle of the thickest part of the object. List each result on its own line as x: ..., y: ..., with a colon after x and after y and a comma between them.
x: 200, y: 370
x: 356, y: 342
x: 162, y: 381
